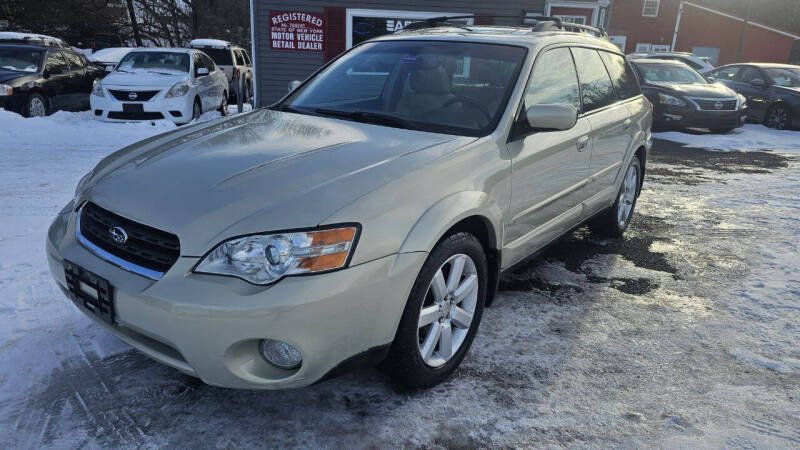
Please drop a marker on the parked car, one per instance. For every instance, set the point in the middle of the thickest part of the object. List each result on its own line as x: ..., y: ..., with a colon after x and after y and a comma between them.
x: 682, y: 98
x: 233, y: 60
x: 39, y: 77
x: 701, y: 64
x: 105, y: 40
x: 772, y: 91
x: 365, y: 217
x: 108, y: 58
x: 161, y: 83
x: 9, y: 37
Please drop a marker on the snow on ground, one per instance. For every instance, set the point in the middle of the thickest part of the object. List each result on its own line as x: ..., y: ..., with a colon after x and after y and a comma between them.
x: 684, y: 334
x: 748, y: 138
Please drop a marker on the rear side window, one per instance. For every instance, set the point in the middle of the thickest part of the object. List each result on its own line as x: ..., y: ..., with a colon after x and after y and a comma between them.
x: 596, y: 88
x: 239, y: 58
x: 221, y: 56
x: 554, y: 80
x: 622, y: 76
x: 246, y: 57
x: 749, y: 74
x: 56, y: 64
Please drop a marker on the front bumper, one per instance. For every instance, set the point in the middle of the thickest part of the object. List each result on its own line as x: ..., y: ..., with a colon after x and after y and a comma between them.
x: 210, y: 326
x: 688, y: 117
x: 178, y: 110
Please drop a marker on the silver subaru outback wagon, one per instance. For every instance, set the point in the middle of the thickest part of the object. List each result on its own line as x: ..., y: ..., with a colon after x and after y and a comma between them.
x: 364, y: 218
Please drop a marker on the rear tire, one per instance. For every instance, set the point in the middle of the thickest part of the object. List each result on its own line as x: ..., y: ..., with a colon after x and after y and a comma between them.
x: 36, y: 106
x: 614, y: 221
x: 447, y: 299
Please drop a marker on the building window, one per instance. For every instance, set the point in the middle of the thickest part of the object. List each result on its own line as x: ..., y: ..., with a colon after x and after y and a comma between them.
x: 650, y: 8
x: 642, y: 47
x: 659, y: 49
x: 572, y: 19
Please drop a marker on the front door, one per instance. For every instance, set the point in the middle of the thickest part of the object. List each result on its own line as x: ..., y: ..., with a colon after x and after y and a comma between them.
x: 549, y: 168
x: 78, y: 88
x: 757, y: 96
x: 56, y: 86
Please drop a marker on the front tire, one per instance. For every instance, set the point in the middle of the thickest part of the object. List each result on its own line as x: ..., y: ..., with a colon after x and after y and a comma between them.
x: 779, y: 117
x: 614, y: 221
x: 36, y: 106
x: 442, y: 314
x: 197, y: 109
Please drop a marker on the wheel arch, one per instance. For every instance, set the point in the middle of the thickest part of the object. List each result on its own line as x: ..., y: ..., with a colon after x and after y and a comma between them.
x: 641, y: 153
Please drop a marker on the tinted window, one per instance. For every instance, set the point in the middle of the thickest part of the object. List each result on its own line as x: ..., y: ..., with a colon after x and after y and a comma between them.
x: 596, y: 88
x: 56, y: 64
x: 622, y: 76
x: 749, y: 74
x: 669, y: 73
x: 208, y: 63
x: 155, y: 62
x: 20, y: 59
x: 239, y: 58
x: 554, y: 80
x: 74, y: 60
x: 221, y: 56
x: 727, y: 73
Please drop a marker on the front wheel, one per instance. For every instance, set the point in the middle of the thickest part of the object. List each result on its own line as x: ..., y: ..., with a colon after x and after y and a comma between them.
x: 197, y: 109
x: 442, y: 314
x: 779, y: 117
x: 614, y: 221
x: 36, y: 106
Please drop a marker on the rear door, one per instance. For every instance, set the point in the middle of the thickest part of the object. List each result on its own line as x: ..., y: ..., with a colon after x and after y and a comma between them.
x: 608, y: 116
x: 549, y: 168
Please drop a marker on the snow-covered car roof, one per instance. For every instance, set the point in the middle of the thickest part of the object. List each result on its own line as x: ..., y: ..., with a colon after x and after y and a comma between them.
x: 161, y: 49
x: 33, y: 38
x: 109, y: 55
x: 216, y: 43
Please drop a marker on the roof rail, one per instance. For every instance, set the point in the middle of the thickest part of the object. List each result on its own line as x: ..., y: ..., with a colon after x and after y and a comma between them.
x: 542, y: 23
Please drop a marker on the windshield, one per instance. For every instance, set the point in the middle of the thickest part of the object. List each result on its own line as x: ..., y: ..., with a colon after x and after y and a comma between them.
x: 20, y: 59
x: 669, y: 73
x: 784, y: 76
x: 154, y: 62
x: 220, y: 56
x: 444, y: 87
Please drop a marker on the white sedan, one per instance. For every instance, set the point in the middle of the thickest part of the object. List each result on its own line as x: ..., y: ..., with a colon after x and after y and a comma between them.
x: 160, y: 83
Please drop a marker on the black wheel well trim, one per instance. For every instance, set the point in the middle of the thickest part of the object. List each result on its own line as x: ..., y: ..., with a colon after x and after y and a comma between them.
x: 641, y: 153
x: 483, y: 230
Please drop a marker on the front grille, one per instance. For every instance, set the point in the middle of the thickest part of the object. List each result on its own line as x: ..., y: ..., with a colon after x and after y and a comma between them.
x: 141, y: 96
x: 145, y: 246
x: 135, y: 115
x: 711, y: 104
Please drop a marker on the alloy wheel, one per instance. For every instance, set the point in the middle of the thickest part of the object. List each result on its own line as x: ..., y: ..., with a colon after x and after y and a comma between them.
x: 627, y: 195
x: 446, y: 314
x: 36, y: 107
x: 778, y: 117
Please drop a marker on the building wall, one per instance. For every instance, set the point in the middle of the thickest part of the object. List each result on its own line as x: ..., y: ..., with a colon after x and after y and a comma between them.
x: 276, y: 68
x: 627, y: 20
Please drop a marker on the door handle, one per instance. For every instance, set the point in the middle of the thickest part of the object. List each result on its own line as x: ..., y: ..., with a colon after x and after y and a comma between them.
x: 581, y: 144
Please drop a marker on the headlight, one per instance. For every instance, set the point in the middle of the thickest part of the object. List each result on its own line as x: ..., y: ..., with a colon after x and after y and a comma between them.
x: 5, y: 90
x: 97, y: 89
x: 742, y: 101
x: 178, y: 90
x: 665, y: 99
x: 266, y: 258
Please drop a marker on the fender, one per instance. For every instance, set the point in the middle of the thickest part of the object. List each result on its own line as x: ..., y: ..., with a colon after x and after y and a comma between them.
x: 447, y: 212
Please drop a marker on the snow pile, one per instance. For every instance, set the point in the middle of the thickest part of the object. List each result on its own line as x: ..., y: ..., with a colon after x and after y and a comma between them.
x: 748, y: 138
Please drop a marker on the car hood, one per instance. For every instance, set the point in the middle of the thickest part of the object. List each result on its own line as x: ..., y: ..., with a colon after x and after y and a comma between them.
x: 257, y: 172
x: 8, y: 75
x: 143, y: 79
x: 704, y: 90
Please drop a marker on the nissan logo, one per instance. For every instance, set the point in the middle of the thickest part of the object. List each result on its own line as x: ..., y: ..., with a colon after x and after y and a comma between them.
x: 718, y: 105
x: 132, y: 95
x: 118, y: 234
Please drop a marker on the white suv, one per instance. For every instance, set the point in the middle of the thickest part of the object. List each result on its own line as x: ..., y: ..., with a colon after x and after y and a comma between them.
x: 233, y: 60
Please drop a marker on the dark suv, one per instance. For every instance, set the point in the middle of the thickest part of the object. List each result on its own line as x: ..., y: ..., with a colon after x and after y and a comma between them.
x: 38, y: 77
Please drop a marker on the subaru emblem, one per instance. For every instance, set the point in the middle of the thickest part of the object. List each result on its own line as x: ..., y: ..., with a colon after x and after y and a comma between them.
x: 132, y: 95
x: 718, y: 105
x: 118, y: 234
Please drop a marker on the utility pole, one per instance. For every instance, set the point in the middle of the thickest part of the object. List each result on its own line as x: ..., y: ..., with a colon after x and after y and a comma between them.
x: 744, y: 30
x: 134, y: 24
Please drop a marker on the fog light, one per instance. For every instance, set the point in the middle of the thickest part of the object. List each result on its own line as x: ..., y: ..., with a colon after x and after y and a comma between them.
x: 281, y: 354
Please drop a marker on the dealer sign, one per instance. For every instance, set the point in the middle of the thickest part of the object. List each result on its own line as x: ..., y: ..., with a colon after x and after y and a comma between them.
x: 296, y: 31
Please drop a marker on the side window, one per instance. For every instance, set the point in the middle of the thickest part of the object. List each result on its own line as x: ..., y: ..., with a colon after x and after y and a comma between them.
x: 596, y: 88
x: 727, y: 73
x: 239, y: 58
x: 197, y: 61
x: 554, y: 80
x: 209, y: 64
x: 622, y: 76
x: 56, y: 64
x: 246, y: 57
x: 74, y: 60
x: 749, y: 74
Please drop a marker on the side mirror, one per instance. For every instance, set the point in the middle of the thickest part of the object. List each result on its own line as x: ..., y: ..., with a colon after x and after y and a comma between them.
x: 758, y: 82
x: 294, y: 84
x: 552, y: 117
x: 201, y: 72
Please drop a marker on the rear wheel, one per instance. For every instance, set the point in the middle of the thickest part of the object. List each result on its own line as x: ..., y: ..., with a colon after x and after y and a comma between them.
x: 36, y: 106
x: 779, y: 117
x: 223, y: 108
x: 615, y: 220
x: 442, y: 314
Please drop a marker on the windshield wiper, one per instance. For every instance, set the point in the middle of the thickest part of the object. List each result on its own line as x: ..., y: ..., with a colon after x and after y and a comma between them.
x: 368, y: 117
x: 160, y: 73
x: 122, y: 70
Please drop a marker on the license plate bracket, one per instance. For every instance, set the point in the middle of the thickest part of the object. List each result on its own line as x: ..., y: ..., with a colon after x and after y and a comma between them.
x: 132, y: 107
x: 90, y: 291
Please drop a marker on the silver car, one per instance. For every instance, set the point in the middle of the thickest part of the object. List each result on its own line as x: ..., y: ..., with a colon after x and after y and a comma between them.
x: 364, y: 218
